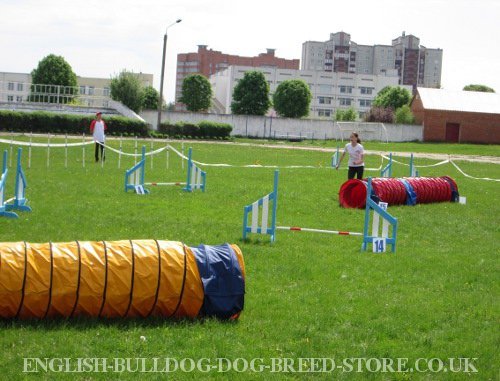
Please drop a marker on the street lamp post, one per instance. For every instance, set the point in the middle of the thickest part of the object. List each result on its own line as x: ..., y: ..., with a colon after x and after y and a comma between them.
x: 163, y: 72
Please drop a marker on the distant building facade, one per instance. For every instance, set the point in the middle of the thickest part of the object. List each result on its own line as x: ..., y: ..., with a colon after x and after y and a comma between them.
x: 208, y: 62
x: 92, y: 91
x: 415, y: 65
x: 331, y: 91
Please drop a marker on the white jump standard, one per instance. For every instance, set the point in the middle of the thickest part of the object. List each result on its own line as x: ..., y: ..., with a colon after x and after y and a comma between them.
x: 269, y: 227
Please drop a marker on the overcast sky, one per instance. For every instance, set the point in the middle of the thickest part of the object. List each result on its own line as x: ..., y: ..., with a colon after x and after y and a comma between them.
x: 100, y: 38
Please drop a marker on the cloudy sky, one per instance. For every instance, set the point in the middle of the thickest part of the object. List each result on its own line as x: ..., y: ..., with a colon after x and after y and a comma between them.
x: 100, y: 38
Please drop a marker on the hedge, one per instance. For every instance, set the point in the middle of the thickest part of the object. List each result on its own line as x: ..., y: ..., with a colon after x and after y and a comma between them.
x: 204, y: 129
x: 45, y: 122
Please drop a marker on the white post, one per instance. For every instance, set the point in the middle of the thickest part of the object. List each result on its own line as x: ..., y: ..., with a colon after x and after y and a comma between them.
x: 102, y: 155
x: 168, y: 154
x: 152, y: 142
x: 48, y: 150
x: 135, y: 151
x: 11, y: 142
x: 120, y: 154
x: 83, y: 150
x: 182, y: 151
x: 29, y: 150
x: 66, y: 152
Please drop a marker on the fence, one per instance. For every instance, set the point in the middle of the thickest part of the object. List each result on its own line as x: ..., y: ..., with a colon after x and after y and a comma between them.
x: 271, y: 127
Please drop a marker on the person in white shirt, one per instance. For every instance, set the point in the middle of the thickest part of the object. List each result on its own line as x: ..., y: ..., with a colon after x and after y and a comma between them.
x: 97, y: 129
x: 356, y: 157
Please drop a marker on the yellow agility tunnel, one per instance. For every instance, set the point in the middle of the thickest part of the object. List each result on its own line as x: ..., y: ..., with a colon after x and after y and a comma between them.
x: 113, y: 279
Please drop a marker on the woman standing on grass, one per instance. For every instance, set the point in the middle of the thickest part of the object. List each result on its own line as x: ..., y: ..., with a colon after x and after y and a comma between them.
x: 356, y: 157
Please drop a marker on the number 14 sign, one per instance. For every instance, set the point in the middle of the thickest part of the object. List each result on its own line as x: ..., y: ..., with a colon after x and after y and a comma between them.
x: 379, y: 245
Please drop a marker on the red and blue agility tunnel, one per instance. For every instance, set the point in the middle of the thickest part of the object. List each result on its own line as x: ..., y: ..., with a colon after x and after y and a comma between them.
x: 120, y: 279
x: 399, y: 191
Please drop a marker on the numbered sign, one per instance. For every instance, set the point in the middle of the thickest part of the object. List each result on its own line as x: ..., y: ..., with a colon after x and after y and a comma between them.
x: 379, y: 244
x: 139, y: 189
x: 383, y: 205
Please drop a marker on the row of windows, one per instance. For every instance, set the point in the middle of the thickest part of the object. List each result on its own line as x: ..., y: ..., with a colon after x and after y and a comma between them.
x: 90, y: 90
x: 329, y: 113
x: 11, y: 86
x: 344, y: 101
x: 10, y: 98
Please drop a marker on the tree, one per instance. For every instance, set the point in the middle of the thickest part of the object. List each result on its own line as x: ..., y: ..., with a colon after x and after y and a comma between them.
x: 127, y: 88
x: 392, y: 96
x: 150, y: 98
x: 54, y: 71
x: 349, y: 115
x: 196, y: 93
x: 483, y: 88
x: 404, y: 115
x: 292, y: 98
x: 251, y: 95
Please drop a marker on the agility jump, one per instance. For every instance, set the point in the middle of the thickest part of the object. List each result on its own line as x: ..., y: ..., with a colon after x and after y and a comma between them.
x: 134, y: 177
x: 263, y: 213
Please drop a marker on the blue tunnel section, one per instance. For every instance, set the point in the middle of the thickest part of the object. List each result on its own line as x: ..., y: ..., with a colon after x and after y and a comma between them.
x: 222, y: 273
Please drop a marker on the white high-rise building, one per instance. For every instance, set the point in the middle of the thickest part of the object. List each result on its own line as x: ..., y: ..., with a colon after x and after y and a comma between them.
x: 415, y: 64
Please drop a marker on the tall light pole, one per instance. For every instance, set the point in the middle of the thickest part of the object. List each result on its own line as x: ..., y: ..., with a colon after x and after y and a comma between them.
x: 163, y: 72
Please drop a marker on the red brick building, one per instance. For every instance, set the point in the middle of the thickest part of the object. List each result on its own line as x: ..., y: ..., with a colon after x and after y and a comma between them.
x: 458, y: 116
x: 208, y: 61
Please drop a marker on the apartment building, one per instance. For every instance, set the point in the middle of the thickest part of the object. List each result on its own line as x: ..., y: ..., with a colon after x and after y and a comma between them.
x: 415, y: 64
x: 208, y: 62
x: 92, y: 91
x: 330, y: 90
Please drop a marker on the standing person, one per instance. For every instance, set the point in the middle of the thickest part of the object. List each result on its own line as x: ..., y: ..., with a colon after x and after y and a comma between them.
x: 356, y: 157
x: 97, y: 129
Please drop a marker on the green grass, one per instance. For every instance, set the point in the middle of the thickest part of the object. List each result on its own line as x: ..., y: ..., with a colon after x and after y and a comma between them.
x: 308, y: 295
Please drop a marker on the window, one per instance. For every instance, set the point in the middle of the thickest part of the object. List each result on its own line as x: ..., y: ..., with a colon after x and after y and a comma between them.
x: 19, y: 98
x: 325, y: 100
x: 365, y: 102
x: 10, y: 98
x: 91, y: 90
x: 105, y: 91
x: 325, y: 88
x: 346, y: 89
x: 11, y: 86
x: 345, y: 101
x: 366, y: 90
x: 324, y: 112
x: 19, y: 87
x: 82, y: 90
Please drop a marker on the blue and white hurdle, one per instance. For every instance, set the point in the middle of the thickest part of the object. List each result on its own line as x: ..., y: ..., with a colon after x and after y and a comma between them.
x: 413, y: 168
x: 261, y: 213
x: 336, y: 157
x: 134, y: 177
x: 19, y: 201
x: 387, y: 170
x: 379, y: 241
x: 196, y: 178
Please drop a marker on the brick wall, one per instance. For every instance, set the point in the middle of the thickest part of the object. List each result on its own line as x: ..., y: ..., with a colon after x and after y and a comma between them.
x: 474, y: 127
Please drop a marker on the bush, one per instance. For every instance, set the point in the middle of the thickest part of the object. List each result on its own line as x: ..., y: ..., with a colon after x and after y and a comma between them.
x: 46, y: 122
x: 380, y: 114
x: 204, y: 129
x: 404, y: 115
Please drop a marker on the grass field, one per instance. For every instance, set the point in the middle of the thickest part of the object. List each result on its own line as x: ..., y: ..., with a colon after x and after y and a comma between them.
x: 307, y: 295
